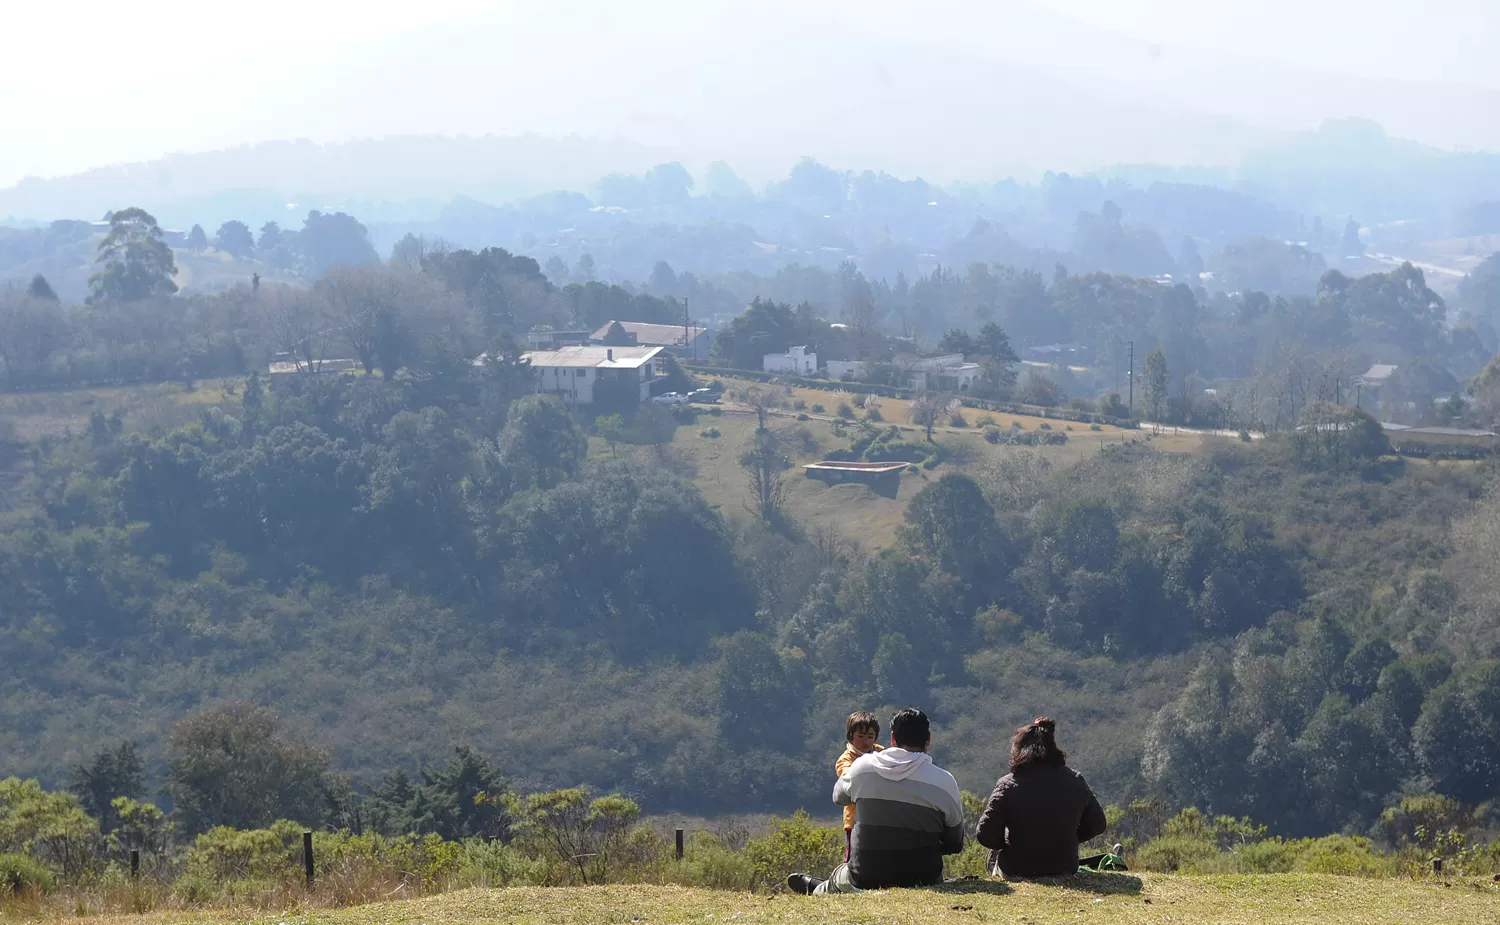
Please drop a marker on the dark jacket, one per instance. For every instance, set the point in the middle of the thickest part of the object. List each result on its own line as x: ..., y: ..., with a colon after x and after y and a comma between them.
x: 1033, y: 822
x: 910, y: 815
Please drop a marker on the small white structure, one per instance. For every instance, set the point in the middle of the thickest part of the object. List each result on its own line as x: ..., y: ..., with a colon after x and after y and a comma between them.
x: 948, y: 373
x: 848, y: 370
x: 597, y: 375
x: 796, y: 361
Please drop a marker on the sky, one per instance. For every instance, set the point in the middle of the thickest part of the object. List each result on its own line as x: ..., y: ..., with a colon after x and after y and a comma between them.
x: 94, y: 83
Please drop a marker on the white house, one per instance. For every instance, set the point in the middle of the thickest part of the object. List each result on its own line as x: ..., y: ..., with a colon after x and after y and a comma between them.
x: 597, y: 375
x: 948, y: 373
x: 848, y: 370
x: 796, y: 361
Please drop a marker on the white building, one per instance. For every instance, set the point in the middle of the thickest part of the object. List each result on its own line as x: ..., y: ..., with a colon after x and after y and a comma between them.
x: 848, y: 370
x: 948, y: 373
x: 597, y: 375
x: 796, y: 361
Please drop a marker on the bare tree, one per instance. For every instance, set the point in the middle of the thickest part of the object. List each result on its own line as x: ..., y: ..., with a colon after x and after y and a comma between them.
x: 765, y: 466
x: 299, y: 324
x: 762, y: 402
x: 927, y: 409
x: 31, y: 331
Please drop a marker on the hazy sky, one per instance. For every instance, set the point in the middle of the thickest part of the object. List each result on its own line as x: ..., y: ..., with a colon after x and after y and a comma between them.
x: 91, y: 83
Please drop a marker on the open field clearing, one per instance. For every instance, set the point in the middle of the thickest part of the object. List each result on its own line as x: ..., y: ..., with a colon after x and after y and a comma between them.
x: 1105, y: 899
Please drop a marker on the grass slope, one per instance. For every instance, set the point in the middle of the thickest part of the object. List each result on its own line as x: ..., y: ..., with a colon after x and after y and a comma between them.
x: 1099, y: 898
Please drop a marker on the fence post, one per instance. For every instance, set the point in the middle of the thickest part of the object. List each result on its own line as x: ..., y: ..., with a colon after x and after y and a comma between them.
x: 679, y: 844
x: 135, y: 863
x: 1437, y: 866
x: 307, y: 858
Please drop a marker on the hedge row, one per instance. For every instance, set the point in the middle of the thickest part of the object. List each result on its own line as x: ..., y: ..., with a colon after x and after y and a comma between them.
x: 885, y: 391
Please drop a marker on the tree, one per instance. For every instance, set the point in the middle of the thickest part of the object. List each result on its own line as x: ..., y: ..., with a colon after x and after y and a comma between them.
x: 270, y: 237
x: 336, y: 240
x: 557, y: 271
x: 540, y: 444
x: 463, y: 799
x: 951, y: 525
x: 584, y: 268
x: 234, y: 238
x: 762, y: 402
x: 137, y: 263
x: 41, y: 290
x: 957, y: 341
x: 232, y: 765
x: 197, y: 240
x: 111, y: 774
x: 765, y: 464
x: 927, y: 409
x: 611, y: 427
x: 654, y: 425
x: 756, y: 698
x: 1154, y: 386
x: 32, y: 331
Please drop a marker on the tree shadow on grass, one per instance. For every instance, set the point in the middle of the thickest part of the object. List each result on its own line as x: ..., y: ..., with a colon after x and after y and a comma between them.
x: 1091, y: 881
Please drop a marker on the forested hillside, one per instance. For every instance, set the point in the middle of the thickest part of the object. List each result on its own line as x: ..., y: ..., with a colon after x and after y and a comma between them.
x: 366, y: 558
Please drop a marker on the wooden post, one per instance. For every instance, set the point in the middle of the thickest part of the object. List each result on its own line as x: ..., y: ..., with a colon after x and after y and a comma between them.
x: 307, y: 858
x: 679, y: 844
x: 135, y: 863
x: 1437, y: 866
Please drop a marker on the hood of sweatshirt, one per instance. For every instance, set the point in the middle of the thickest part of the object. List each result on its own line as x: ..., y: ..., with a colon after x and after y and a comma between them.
x: 897, y: 763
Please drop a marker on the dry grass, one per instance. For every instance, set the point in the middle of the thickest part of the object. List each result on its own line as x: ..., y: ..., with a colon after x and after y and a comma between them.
x: 859, y: 514
x: 144, y: 407
x: 1106, y: 899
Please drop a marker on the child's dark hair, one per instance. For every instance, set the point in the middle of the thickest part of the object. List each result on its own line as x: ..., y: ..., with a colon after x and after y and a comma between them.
x: 861, y: 721
x: 1035, y: 745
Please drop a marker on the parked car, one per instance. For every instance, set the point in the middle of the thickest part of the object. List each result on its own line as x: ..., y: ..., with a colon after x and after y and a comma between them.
x: 670, y: 398
x: 704, y: 396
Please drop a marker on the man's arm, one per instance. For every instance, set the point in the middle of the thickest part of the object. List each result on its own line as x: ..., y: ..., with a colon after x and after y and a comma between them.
x: 841, y: 794
x: 991, y: 829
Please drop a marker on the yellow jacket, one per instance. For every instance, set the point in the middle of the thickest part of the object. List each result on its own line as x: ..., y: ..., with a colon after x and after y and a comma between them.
x: 839, y: 767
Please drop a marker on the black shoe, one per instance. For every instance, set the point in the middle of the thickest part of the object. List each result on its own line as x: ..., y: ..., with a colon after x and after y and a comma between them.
x: 803, y: 884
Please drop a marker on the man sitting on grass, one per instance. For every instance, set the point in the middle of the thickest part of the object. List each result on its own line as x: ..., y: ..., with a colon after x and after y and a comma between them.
x: 909, y: 816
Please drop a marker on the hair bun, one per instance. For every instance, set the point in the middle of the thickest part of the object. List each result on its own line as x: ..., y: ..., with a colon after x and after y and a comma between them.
x: 1045, y: 723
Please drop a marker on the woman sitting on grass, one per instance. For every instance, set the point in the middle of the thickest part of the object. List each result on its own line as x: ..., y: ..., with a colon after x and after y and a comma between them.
x: 1040, y: 811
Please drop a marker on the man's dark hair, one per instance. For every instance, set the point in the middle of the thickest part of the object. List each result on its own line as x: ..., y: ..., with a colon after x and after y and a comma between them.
x: 909, y: 729
x: 1035, y: 745
x: 861, y: 721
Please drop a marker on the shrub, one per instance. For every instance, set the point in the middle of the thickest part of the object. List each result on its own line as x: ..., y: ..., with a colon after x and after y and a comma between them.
x: 993, y: 435
x: 957, y: 419
x: 1172, y: 853
x: 712, y: 433
x: 873, y: 414
x: 1045, y: 426
x: 1341, y: 854
x: 20, y: 875
x: 799, y: 405
x: 817, y: 409
x: 583, y: 837
x: 794, y: 844
x: 708, y: 862
x: 844, y: 411
x: 492, y: 864
x: 1095, y: 427
x: 803, y: 417
x: 715, y: 411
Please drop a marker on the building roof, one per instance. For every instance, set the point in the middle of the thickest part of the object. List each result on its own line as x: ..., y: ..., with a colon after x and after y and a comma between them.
x: 652, y: 335
x: 1379, y: 372
x: 593, y: 357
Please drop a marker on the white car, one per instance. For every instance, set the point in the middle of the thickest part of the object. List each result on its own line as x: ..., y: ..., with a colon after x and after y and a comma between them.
x: 670, y: 398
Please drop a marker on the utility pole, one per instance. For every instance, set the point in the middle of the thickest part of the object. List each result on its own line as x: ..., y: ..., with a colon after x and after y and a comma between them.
x: 686, y: 339
x: 1130, y: 377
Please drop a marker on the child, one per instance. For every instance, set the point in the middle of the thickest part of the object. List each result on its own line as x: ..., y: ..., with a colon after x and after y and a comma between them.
x: 861, y: 730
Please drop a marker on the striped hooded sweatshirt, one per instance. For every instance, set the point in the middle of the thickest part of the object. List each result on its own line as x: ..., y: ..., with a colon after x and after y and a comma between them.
x: 910, y: 815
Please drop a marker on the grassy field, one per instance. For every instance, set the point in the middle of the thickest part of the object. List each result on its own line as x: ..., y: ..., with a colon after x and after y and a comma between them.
x: 1106, y: 899
x: 143, y: 407
x: 709, y: 453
